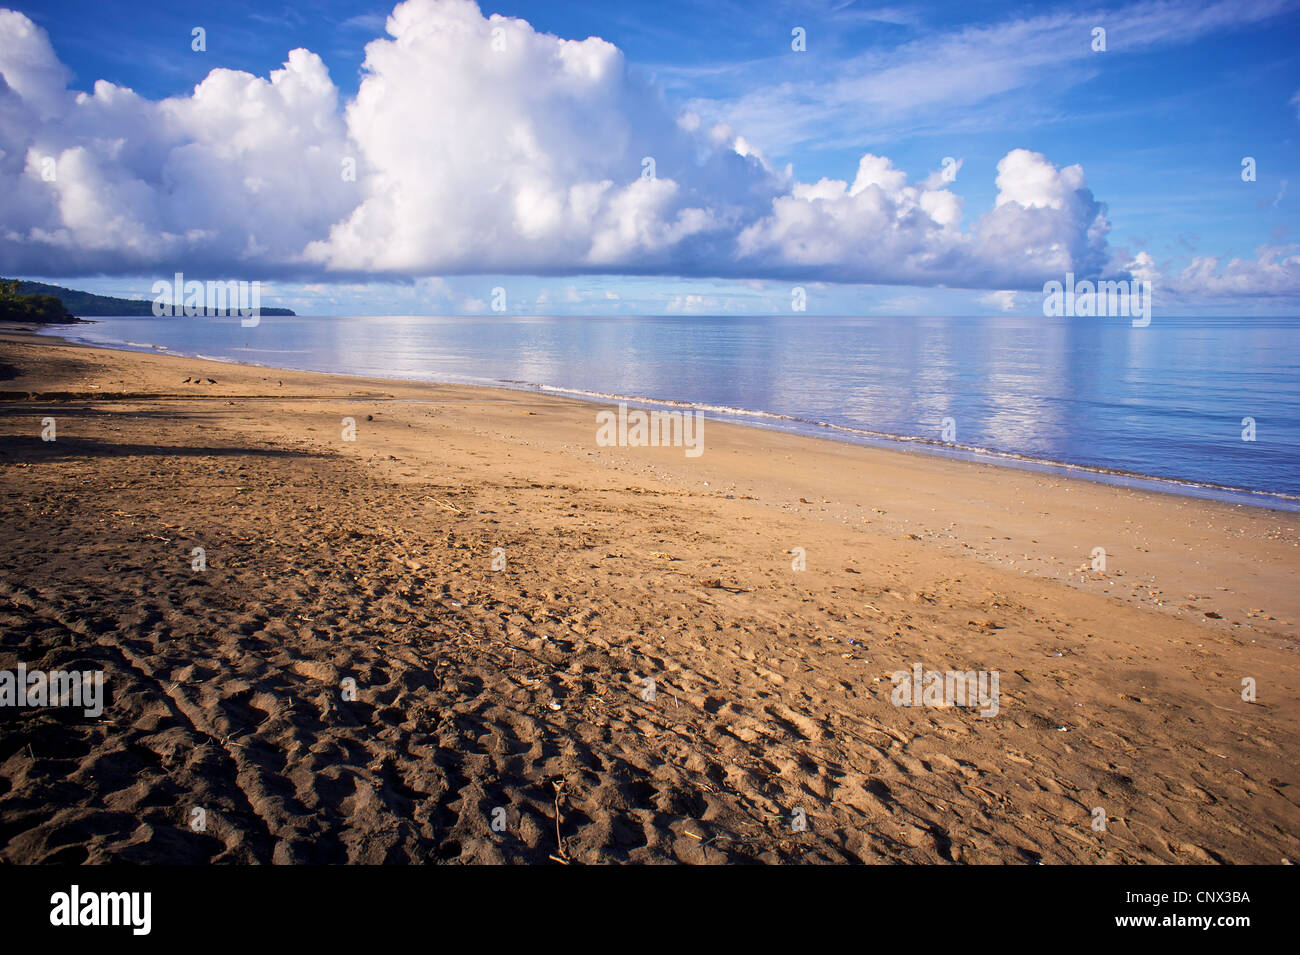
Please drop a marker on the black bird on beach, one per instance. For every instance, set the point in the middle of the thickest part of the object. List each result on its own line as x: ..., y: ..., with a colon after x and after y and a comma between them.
x: 212, y: 381
x: 185, y: 382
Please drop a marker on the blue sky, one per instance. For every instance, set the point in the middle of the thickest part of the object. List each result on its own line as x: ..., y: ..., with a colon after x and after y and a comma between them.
x: 1159, y: 122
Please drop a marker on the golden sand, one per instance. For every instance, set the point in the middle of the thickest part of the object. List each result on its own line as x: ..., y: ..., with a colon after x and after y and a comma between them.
x: 562, y: 651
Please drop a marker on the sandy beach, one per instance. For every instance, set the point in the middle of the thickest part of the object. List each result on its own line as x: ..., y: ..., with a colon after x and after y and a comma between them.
x: 563, y: 652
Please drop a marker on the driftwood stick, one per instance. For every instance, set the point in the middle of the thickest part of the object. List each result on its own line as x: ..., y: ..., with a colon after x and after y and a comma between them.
x: 559, y: 839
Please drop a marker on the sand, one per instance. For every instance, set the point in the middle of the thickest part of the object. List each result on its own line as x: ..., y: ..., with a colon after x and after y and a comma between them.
x: 504, y: 715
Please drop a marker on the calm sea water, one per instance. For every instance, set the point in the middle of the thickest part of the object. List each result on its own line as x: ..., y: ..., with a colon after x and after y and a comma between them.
x: 1166, y: 400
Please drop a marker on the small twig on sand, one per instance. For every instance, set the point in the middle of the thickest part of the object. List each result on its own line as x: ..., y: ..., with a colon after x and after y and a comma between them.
x: 445, y: 506
x: 559, y: 839
x: 704, y: 843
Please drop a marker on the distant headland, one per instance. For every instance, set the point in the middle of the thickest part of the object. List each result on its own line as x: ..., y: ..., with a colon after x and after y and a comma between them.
x: 21, y: 306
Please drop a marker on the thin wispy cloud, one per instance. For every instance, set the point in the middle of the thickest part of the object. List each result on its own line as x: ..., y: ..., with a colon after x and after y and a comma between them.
x: 1003, y: 75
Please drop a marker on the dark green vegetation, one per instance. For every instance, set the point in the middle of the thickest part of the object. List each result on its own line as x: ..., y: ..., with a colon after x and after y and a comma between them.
x: 86, y: 303
x: 18, y: 307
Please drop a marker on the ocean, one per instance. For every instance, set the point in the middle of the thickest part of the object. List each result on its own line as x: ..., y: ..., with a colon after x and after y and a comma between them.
x: 1206, y: 406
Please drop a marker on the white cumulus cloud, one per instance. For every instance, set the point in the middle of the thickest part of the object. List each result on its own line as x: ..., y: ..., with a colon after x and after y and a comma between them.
x: 478, y: 145
x: 881, y: 229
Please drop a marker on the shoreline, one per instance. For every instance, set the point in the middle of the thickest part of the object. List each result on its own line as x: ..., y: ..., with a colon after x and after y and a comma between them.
x: 498, y: 587
x: 808, y: 427
x: 991, y: 477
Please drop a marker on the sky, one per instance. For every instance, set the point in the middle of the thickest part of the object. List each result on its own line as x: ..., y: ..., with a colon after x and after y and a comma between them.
x: 437, y: 157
